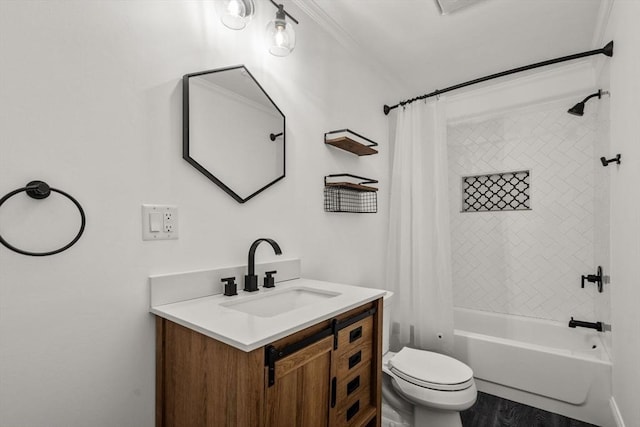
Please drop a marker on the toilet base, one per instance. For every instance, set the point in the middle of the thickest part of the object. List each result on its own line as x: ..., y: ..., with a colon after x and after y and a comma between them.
x: 429, y: 417
x: 394, y: 418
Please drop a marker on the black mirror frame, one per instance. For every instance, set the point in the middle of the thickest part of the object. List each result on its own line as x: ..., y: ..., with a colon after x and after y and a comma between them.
x: 185, y: 135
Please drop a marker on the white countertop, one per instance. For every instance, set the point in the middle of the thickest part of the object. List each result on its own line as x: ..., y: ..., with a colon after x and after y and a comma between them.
x: 247, y: 332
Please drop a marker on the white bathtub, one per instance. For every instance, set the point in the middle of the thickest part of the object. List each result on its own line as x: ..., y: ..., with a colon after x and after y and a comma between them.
x: 537, y: 362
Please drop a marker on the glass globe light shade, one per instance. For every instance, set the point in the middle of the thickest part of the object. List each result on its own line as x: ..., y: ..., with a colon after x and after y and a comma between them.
x: 235, y: 14
x: 281, y: 37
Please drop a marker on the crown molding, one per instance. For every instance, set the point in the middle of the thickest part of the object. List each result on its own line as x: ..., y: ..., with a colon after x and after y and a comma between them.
x: 344, y: 37
x: 319, y: 16
x: 602, y: 22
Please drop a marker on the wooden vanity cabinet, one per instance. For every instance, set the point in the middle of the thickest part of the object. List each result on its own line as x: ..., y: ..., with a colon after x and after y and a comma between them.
x: 327, y: 375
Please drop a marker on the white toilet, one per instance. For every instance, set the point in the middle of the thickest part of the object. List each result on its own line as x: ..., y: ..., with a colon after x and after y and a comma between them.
x: 437, y: 386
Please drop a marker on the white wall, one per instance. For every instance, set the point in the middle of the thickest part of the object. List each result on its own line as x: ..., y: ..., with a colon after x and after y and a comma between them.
x: 91, y: 103
x: 622, y: 72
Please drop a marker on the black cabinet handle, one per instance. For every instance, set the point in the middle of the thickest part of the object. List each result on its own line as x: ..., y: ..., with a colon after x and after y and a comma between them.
x: 355, y: 359
x: 355, y: 334
x: 353, y: 410
x: 334, y: 385
x: 353, y: 385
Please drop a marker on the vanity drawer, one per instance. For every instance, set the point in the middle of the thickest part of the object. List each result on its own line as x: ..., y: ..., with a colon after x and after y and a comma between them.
x: 356, y: 335
x: 354, y: 383
x: 352, y: 410
x: 353, y: 359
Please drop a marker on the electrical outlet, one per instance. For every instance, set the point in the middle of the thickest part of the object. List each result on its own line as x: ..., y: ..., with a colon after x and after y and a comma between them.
x: 168, y: 222
x: 159, y: 222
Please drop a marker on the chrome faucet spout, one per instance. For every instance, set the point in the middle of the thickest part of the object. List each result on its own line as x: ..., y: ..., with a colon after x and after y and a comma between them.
x: 251, y: 280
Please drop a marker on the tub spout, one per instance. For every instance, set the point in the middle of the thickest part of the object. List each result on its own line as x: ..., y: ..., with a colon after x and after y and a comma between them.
x: 592, y: 325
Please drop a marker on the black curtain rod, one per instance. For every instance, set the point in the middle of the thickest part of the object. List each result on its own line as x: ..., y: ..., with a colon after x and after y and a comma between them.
x: 607, y: 50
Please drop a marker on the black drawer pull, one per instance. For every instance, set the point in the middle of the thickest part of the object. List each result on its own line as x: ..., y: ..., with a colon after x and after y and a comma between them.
x: 353, y: 385
x: 355, y: 359
x: 353, y: 410
x: 355, y: 334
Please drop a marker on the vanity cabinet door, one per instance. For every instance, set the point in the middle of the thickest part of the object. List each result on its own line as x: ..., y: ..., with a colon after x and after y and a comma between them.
x: 301, y: 392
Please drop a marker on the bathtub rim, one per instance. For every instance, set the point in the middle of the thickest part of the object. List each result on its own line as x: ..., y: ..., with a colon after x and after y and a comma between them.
x: 601, y: 356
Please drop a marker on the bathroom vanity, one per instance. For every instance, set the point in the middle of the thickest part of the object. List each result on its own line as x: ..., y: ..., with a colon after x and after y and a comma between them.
x: 229, y: 361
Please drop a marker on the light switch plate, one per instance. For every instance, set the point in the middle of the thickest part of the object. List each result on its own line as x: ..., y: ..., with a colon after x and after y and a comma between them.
x: 159, y: 222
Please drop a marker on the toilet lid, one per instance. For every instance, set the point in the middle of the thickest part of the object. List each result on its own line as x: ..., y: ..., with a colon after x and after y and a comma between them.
x: 431, y: 370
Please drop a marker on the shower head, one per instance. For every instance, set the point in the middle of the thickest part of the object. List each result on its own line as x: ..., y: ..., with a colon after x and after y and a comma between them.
x: 578, y: 109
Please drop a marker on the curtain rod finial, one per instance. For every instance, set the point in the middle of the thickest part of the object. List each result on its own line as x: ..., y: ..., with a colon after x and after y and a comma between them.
x: 386, y: 109
x: 608, y: 49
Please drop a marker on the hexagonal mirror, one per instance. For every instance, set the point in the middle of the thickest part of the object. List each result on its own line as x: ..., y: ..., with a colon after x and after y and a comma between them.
x: 233, y: 132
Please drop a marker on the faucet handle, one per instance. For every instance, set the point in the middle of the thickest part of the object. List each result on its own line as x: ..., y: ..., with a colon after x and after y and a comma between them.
x: 269, y: 280
x: 230, y: 287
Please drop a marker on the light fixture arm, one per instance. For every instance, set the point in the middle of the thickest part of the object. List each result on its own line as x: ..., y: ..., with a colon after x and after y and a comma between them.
x: 281, y: 9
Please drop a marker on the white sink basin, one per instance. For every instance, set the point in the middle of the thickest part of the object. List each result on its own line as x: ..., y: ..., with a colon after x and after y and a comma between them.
x: 277, y: 302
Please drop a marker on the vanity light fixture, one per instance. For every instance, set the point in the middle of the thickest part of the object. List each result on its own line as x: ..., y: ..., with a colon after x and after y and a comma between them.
x: 281, y: 38
x: 235, y: 14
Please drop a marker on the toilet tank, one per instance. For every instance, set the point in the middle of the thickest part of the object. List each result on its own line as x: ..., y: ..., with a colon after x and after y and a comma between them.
x: 386, y: 321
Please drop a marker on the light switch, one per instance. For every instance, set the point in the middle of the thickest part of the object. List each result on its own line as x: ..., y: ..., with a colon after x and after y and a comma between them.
x: 155, y: 222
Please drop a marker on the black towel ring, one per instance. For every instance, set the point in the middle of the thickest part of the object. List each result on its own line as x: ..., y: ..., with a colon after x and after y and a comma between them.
x: 41, y: 190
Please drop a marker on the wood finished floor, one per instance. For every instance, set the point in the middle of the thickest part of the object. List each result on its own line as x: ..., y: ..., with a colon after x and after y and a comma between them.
x: 492, y: 411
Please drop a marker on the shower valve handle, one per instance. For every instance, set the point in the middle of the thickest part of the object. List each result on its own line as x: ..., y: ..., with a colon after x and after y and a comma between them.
x: 593, y: 278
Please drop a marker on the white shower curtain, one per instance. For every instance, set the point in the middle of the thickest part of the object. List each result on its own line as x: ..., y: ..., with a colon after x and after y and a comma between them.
x: 419, y: 249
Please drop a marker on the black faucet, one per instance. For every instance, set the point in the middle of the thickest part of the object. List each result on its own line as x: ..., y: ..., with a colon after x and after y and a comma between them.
x: 251, y: 280
x: 598, y: 326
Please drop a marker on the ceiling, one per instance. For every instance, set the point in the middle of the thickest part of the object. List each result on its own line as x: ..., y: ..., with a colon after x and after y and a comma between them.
x: 414, y: 44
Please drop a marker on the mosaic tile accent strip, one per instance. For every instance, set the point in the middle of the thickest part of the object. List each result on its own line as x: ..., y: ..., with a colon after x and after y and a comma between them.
x: 497, y: 192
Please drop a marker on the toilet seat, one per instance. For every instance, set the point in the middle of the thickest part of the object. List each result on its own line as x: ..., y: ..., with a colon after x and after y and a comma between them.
x: 408, y: 373
x: 431, y: 370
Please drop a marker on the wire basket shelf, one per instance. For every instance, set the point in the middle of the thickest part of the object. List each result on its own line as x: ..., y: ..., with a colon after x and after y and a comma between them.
x: 350, y: 197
